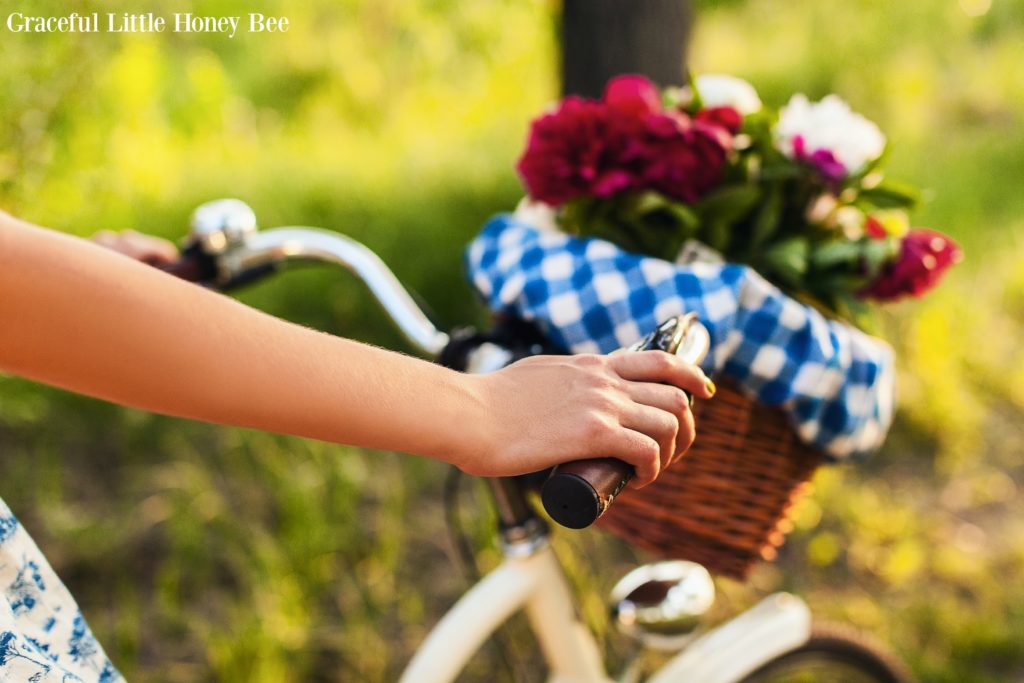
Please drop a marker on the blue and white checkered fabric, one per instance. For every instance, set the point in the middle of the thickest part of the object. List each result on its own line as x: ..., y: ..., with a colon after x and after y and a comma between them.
x: 589, y: 296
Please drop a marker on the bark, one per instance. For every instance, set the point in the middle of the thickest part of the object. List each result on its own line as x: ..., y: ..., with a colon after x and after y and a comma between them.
x: 605, y: 38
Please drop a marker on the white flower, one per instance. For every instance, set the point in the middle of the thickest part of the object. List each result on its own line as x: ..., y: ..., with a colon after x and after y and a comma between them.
x: 850, y: 220
x: 821, y: 209
x: 536, y: 214
x: 829, y: 125
x: 720, y: 90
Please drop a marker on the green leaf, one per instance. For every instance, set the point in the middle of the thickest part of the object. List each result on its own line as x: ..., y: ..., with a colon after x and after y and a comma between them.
x: 781, y: 171
x: 649, y: 201
x: 788, y: 259
x: 698, y: 102
x: 768, y: 217
x: 758, y: 125
x: 716, y: 235
x: 657, y: 237
x: 728, y: 204
x: 890, y: 195
x: 877, y: 253
x: 841, y: 283
x: 835, y: 252
x: 654, y: 206
x: 687, y: 218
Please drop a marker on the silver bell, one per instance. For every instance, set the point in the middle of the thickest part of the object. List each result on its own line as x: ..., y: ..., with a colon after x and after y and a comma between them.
x: 661, y: 604
x: 221, y: 224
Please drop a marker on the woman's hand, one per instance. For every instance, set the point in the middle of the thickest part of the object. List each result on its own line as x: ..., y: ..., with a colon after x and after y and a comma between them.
x: 551, y: 409
x: 138, y: 246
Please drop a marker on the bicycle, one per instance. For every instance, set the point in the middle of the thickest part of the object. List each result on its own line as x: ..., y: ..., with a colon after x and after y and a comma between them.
x: 660, y: 605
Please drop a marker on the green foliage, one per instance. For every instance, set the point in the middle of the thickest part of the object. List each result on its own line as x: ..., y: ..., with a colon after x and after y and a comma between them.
x: 657, y: 226
x: 215, y: 554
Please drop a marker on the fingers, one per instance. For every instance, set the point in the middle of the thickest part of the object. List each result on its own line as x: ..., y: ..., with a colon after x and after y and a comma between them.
x: 105, y: 238
x: 658, y: 366
x: 640, y: 451
x: 673, y: 401
x: 137, y: 245
x: 656, y: 424
x: 653, y: 393
x: 667, y: 397
x: 687, y: 433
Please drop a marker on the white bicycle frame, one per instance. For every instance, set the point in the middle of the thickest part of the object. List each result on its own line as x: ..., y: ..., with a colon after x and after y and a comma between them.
x: 536, y: 583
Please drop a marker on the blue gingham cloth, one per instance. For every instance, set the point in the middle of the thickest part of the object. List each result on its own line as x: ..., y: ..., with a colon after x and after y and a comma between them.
x: 588, y: 296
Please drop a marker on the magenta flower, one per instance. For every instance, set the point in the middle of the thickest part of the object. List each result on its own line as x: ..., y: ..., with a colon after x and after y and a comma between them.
x: 632, y: 96
x: 683, y: 158
x: 830, y: 168
x: 724, y: 117
x: 583, y: 148
x: 626, y: 142
x: 925, y: 256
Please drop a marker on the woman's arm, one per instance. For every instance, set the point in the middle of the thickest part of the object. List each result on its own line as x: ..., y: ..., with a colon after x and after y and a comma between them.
x: 78, y: 316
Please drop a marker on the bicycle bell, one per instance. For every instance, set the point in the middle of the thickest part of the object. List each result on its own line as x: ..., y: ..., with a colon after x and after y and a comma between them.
x: 221, y: 224
x: 661, y: 604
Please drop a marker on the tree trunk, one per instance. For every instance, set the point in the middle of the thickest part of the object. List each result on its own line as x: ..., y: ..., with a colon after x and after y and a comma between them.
x: 605, y: 38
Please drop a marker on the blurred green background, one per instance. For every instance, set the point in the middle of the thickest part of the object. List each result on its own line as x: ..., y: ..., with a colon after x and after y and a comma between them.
x: 201, y: 553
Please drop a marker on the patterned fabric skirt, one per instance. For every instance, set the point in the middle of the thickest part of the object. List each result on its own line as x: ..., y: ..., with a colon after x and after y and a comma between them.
x: 43, y: 635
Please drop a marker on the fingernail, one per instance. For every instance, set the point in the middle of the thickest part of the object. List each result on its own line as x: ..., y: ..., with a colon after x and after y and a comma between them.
x: 710, y: 386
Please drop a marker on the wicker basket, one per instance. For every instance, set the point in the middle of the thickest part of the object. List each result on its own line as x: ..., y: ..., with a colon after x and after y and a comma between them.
x: 726, y: 504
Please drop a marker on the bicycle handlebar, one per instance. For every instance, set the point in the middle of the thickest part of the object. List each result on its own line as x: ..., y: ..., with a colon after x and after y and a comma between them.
x: 224, y: 249
x: 578, y: 493
x: 191, y: 266
x: 265, y: 250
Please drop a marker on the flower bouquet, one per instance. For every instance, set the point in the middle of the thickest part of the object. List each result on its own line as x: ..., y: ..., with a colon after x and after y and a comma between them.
x: 797, y: 194
x: 775, y: 228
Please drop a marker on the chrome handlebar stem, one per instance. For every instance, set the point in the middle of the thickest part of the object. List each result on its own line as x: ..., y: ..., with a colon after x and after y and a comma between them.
x: 225, y: 231
x: 289, y: 244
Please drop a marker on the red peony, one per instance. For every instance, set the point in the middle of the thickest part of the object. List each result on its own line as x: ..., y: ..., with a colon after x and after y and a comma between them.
x: 724, y: 117
x: 583, y: 148
x: 925, y: 255
x: 624, y: 143
x: 683, y: 158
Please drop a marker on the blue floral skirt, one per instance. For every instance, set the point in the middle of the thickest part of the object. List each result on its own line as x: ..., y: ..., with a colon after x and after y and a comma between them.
x: 43, y: 635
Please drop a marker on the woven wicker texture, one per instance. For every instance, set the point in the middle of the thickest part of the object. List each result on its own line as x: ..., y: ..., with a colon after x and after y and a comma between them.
x: 726, y: 503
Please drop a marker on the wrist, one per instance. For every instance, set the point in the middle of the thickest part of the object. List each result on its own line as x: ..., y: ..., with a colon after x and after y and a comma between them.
x: 472, y: 435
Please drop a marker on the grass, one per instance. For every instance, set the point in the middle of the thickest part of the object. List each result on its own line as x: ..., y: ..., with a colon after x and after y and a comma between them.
x: 202, y: 553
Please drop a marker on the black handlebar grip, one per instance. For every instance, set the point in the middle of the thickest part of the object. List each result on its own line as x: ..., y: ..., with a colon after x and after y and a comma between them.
x: 577, y: 493
x: 195, y: 266
x: 192, y: 265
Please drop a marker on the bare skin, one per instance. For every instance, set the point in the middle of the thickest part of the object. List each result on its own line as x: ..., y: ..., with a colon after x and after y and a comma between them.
x: 81, y: 317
